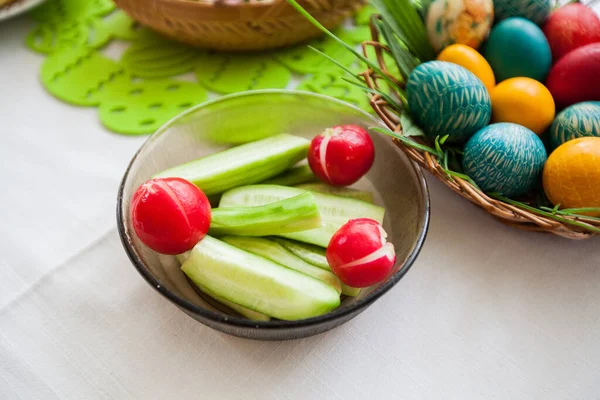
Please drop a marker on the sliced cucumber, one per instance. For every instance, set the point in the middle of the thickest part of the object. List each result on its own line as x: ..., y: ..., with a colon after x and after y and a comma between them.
x: 293, y: 214
x: 310, y: 253
x: 242, y: 165
x: 293, y: 176
x: 246, y: 312
x: 275, y: 252
x: 335, y: 211
x: 257, y: 283
x: 314, y: 255
x: 338, y: 191
x: 350, y: 291
x: 243, y: 311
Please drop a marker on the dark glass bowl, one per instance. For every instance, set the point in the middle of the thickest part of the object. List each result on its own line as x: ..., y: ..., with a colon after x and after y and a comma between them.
x: 395, y: 181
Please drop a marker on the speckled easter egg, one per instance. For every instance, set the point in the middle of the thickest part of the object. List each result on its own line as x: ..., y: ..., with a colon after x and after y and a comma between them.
x: 506, y: 158
x: 467, y: 57
x: 533, y: 10
x: 579, y: 120
x: 517, y: 47
x: 459, y: 21
x: 572, y: 174
x: 447, y: 99
x: 523, y: 101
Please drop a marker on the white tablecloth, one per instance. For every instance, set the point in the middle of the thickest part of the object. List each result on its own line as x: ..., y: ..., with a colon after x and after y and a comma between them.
x: 486, y: 311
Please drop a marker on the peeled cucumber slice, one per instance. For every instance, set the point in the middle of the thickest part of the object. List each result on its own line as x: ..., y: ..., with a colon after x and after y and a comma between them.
x: 314, y: 255
x: 242, y: 165
x: 293, y: 214
x: 338, y: 191
x: 245, y: 312
x: 335, y: 211
x: 310, y: 253
x: 350, y: 291
x: 257, y: 283
x: 275, y: 252
x: 293, y: 176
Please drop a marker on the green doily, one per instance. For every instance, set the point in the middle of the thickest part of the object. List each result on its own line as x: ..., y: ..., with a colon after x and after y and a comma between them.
x: 152, y: 79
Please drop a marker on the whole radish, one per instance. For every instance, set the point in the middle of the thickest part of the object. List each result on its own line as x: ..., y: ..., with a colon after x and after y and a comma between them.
x: 359, y: 254
x: 341, y: 155
x: 576, y: 76
x: 570, y: 27
x: 170, y: 215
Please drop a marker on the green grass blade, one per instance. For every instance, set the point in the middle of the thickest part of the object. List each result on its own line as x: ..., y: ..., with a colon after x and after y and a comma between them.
x: 316, y: 23
x: 385, y: 96
x: 408, y: 142
x: 404, y: 60
x: 544, y: 213
x: 406, y: 23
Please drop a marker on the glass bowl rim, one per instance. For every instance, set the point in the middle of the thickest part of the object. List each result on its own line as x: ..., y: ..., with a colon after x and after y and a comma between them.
x: 240, y: 322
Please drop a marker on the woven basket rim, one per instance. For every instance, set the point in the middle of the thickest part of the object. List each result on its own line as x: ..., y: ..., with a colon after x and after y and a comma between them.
x: 200, y: 4
x: 509, y: 214
x: 249, y: 10
x: 243, y: 13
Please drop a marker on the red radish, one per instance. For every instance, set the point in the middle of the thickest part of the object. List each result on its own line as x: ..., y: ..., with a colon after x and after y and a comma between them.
x: 170, y: 215
x: 576, y: 76
x: 570, y: 27
x: 341, y: 155
x: 359, y: 254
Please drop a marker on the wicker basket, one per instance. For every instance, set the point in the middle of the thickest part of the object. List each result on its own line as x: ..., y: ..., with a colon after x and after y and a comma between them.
x: 239, y: 27
x: 509, y: 214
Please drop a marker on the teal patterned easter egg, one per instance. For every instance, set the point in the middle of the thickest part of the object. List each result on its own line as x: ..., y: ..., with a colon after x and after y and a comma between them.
x: 447, y: 99
x: 505, y: 158
x: 579, y: 120
x: 533, y: 10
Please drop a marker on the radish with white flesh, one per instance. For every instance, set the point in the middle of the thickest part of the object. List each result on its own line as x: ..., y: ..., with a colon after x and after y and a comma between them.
x: 314, y: 255
x: 275, y: 252
x: 359, y: 253
x: 341, y: 155
x: 242, y: 165
x: 335, y: 211
x: 293, y: 214
x: 293, y: 176
x: 170, y: 215
x: 257, y: 283
x: 338, y: 191
x: 243, y: 311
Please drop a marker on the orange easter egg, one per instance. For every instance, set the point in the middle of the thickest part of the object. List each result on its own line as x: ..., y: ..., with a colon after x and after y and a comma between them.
x: 523, y: 101
x: 572, y: 174
x: 469, y: 58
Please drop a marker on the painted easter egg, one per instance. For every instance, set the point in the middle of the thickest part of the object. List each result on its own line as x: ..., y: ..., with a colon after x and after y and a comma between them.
x: 505, y: 158
x: 447, y: 99
x: 572, y: 173
x: 523, y: 101
x: 459, y: 21
x: 579, y: 120
x: 533, y: 10
x: 518, y: 47
x: 469, y: 58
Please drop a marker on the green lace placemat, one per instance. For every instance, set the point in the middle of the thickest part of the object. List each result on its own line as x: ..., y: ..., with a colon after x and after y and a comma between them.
x: 152, y: 79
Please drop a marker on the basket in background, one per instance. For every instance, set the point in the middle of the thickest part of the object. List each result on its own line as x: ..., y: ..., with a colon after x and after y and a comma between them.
x: 255, y: 25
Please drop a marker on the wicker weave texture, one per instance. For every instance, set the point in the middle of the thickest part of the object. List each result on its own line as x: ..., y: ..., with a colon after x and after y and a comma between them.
x: 240, y: 27
x: 507, y: 213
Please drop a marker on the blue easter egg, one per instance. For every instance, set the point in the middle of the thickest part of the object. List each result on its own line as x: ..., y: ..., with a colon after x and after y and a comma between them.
x: 578, y: 120
x: 447, y: 99
x: 533, y: 10
x: 517, y: 47
x: 506, y: 158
